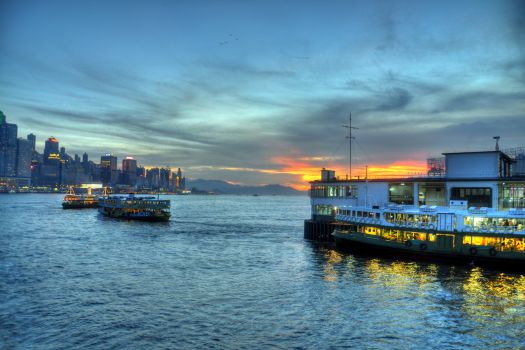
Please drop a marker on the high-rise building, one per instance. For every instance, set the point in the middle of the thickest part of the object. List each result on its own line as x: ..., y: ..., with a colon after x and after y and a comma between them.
x: 24, y: 155
x: 177, y: 181
x: 153, y: 177
x: 32, y: 139
x: 129, y: 171
x: 129, y: 164
x: 108, y: 169
x: 51, y: 169
x: 85, y: 158
x: 36, y: 168
x: 8, y: 146
x: 164, y: 179
x: 51, y: 152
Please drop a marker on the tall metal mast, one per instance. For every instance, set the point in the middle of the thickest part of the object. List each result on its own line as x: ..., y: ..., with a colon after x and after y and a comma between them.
x: 350, y: 138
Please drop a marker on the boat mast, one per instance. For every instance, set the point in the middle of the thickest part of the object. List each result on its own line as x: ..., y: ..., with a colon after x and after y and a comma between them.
x: 366, y: 187
x: 350, y: 138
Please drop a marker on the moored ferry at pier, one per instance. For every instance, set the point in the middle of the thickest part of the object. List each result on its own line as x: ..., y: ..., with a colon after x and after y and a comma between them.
x: 131, y: 207
x: 470, y: 209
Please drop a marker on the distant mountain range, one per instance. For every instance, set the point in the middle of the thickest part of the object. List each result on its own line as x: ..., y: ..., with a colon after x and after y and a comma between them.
x: 223, y: 187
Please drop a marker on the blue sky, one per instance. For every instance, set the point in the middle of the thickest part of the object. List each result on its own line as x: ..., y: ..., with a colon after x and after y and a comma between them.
x: 253, y: 91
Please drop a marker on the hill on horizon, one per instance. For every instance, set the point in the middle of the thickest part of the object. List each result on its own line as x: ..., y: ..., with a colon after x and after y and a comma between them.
x: 223, y: 187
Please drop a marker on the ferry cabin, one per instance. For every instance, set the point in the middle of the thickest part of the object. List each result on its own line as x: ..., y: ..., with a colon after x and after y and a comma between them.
x: 478, y: 197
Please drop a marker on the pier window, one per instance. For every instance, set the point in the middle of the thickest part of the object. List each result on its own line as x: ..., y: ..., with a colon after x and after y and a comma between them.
x: 475, y: 196
x: 401, y: 193
x: 432, y: 194
x: 330, y: 191
x: 511, y: 195
x: 320, y: 211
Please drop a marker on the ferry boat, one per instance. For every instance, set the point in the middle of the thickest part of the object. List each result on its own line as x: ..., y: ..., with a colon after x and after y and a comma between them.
x: 131, y: 207
x: 470, y: 208
x: 77, y: 201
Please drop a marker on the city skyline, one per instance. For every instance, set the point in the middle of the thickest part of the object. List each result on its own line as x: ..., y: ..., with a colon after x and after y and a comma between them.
x: 256, y: 93
x: 23, y: 167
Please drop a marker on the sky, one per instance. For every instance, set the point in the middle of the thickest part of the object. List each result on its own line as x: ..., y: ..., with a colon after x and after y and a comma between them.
x: 256, y: 92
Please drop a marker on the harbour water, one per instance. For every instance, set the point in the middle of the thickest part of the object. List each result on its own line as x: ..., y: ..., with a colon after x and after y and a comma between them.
x: 231, y: 272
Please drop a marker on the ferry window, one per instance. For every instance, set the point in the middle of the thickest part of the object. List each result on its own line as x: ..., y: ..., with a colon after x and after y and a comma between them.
x: 419, y: 236
x: 468, y: 221
x: 467, y: 240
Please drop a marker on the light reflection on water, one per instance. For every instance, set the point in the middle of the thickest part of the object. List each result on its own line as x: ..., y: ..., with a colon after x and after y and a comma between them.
x: 231, y: 272
x: 486, y: 307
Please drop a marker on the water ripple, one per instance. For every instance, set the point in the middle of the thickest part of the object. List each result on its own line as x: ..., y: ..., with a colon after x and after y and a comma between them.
x: 230, y: 272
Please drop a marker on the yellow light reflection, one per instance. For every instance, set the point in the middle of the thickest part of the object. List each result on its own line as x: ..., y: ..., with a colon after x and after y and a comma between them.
x: 332, y: 258
x: 489, y: 296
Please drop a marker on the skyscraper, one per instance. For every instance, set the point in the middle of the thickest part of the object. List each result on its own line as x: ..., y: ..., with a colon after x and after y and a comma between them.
x: 51, y: 170
x: 51, y: 149
x: 108, y: 169
x: 164, y: 178
x: 24, y: 155
x: 8, y: 145
x: 32, y: 139
x: 129, y: 171
x: 153, y: 177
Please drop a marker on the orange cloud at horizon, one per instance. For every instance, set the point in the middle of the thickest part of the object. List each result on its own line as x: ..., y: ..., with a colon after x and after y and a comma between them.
x: 310, y: 172
x: 304, y: 170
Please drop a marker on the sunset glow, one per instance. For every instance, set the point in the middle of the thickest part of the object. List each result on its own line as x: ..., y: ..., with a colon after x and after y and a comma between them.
x: 252, y: 96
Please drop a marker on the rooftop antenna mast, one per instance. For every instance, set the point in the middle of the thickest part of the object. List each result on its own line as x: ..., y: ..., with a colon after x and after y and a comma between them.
x: 350, y: 138
x: 497, y: 141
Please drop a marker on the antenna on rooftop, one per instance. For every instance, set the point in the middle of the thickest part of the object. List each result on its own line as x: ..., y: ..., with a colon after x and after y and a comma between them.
x: 497, y: 140
x: 350, y: 138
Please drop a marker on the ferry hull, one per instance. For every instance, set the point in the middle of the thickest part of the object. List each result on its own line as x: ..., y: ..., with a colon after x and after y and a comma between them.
x: 370, y: 248
x: 119, y: 214
x: 80, y: 205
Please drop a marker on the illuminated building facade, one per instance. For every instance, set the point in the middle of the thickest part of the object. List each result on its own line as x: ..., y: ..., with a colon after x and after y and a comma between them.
x: 51, y: 151
x: 108, y: 169
x: 51, y: 168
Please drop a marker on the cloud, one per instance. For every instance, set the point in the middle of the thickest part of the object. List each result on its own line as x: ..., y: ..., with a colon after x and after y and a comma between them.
x: 417, y: 79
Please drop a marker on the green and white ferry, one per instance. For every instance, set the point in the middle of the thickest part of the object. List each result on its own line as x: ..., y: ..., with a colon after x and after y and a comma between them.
x: 469, y: 209
x: 131, y: 207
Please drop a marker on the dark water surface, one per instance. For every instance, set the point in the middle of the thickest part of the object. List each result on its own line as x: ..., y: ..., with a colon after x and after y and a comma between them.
x: 231, y: 272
